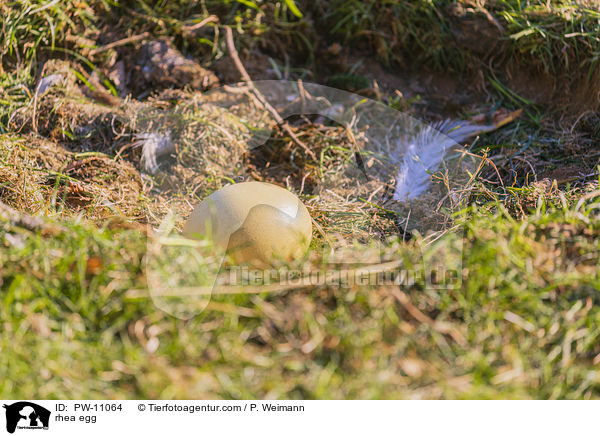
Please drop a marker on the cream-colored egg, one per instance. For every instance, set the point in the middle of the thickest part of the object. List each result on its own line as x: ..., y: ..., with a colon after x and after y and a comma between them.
x: 257, y: 223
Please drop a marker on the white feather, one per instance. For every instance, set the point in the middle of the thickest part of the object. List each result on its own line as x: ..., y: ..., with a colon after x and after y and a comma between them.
x: 154, y: 145
x: 425, y: 152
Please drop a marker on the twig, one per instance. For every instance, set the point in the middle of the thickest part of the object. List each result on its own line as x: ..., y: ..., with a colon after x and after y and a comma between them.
x: 304, y: 95
x: 406, y: 225
x: 209, y: 19
x: 35, y: 101
x: 261, y: 98
x: 119, y: 43
x: 357, y: 155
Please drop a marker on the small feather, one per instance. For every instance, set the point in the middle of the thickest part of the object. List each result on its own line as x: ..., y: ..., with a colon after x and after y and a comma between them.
x: 154, y: 145
x: 426, y: 150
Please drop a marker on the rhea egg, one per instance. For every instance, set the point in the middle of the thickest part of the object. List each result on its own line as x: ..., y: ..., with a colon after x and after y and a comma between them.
x: 255, y: 222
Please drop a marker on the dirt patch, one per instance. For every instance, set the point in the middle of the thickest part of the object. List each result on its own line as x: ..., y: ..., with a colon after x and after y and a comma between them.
x: 473, y: 28
x: 257, y: 64
x: 566, y: 94
x: 159, y: 65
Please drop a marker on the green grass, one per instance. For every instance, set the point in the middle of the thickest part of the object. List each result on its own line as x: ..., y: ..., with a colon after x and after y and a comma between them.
x: 523, y: 324
x: 76, y: 319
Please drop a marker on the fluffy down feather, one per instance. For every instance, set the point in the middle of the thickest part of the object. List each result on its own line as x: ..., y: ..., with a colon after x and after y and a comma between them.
x: 425, y: 152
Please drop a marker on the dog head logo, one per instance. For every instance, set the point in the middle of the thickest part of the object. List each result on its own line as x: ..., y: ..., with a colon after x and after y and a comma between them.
x: 26, y: 415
